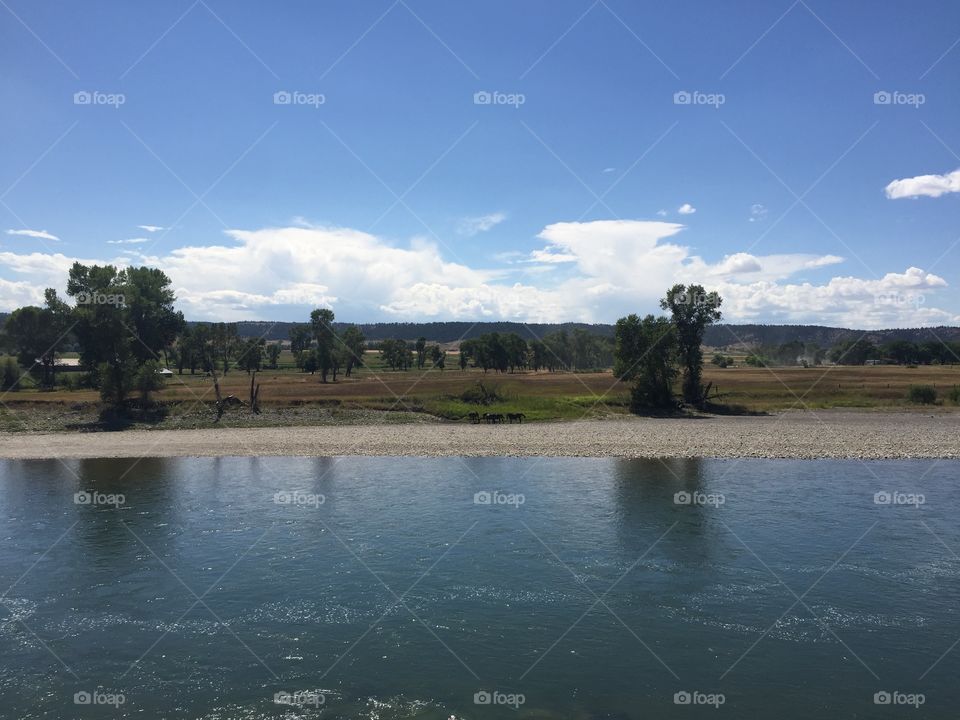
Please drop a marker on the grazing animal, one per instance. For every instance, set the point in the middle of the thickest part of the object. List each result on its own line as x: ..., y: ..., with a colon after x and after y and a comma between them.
x: 515, y: 416
x: 474, y: 418
x: 493, y: 418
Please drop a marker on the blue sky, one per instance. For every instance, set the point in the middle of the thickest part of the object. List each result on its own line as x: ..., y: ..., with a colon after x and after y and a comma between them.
x: 384, y: 190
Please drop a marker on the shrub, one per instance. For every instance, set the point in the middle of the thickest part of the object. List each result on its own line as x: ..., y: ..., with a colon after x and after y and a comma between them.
x: 479, y: 394
x: 9, y: 374
x: 116, y: 382
x: 922, y: 394
x: 649, y: 394
x: 722, y: 361
x: 955, y: 394
x: 149, y: 380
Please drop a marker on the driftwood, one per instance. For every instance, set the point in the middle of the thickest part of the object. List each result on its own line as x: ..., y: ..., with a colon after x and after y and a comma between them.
x: 222, y: 402
x: 254, y: 394
x: 216, y: 388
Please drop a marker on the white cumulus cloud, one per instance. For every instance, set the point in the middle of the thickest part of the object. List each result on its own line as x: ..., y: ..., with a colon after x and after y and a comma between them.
x: 475, y: 225
x: 584, y: 271
x: 40, y: 234
x: 924, y: 185
x: 686, y: 209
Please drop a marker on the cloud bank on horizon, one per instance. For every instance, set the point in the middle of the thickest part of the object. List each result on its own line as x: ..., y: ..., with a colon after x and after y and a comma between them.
x: 593, y: 271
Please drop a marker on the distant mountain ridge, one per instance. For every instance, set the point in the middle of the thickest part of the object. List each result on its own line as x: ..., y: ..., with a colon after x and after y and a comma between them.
x: 719, y: 336
x: 732, y: 335
x: 753, y: 335
x: 440, y: 332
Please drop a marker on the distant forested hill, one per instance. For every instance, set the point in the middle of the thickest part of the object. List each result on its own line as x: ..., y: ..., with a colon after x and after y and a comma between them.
x: 440, y: 332
x: 717, y: 336
x: 825, y: 337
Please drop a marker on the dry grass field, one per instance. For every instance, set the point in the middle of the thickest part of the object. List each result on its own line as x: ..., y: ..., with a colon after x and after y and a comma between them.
x: 830, y: 386
x: 541, y: 396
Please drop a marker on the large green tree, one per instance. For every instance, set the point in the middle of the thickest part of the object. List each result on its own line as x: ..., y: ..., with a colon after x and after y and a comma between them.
x: 122, y: 314
x: 273, y: 355
x: 148, y: 300
x: 354, y: 345
x: 300, y: 339
x: 321, y: 322
x: 645, y: 354
x: 396, y: 355
x: 438, y: 356
x: 421, y: 347
x: 692, y: 309
x: 36, y: 334
x: 224, y: 345
x: 250, y: 355
x: 102, y: 326
x: 123, y: 318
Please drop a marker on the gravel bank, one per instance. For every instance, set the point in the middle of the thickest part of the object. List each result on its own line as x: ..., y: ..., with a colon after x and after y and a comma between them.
x: 825, y: 434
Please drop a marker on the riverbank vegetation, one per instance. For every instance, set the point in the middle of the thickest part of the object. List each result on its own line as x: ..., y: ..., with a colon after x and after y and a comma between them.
x: 116, y: 351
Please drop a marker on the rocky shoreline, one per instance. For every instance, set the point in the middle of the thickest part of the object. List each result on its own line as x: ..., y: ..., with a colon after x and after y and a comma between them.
x: 807, y: 434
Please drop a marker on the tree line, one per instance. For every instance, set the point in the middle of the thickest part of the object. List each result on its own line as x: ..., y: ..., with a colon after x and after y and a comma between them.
x: 857, y: 352
x: 576, y: 351
x: 318, y: 347
x: 125, y: 327
x: 898, y: 352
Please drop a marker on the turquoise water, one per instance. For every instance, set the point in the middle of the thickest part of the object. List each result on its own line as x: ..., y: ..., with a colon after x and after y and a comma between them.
x: 388, y: 588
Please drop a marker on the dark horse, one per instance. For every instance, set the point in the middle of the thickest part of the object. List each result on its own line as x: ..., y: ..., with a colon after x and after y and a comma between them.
x: 515, y: 416
x: 493, y: 418
x: 474, y: 418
